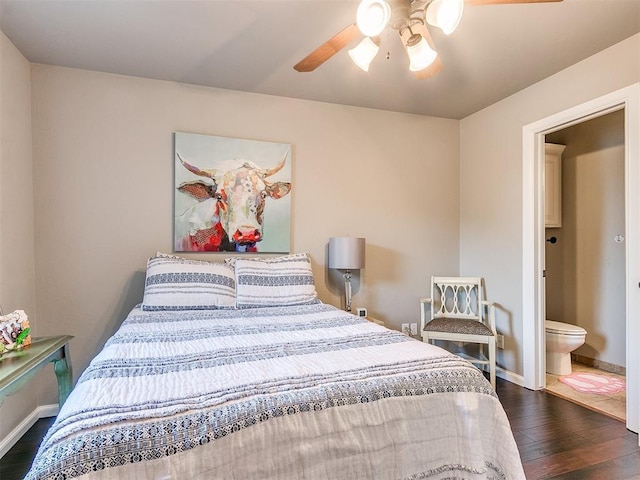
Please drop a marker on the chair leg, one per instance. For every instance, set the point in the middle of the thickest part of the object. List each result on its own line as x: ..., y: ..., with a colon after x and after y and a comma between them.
x: 492, y: 361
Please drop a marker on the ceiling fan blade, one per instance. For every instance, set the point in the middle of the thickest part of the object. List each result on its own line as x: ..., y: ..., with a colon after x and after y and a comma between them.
x: 505, y: 2
x: 328, y: 49
x: 436, y: 66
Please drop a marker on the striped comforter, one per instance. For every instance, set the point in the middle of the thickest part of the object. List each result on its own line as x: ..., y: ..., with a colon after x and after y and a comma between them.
x: 301, y: 392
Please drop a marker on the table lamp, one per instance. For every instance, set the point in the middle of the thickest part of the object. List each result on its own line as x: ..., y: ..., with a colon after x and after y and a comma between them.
x: 346, y: 253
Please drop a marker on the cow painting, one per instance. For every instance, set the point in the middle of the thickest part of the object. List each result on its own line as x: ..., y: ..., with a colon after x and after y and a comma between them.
x: 229, y: 209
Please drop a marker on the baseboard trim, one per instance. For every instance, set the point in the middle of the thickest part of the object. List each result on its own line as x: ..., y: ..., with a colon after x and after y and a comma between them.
x: 510, y: 376
x: 10, y: 440
x: 507, y: 375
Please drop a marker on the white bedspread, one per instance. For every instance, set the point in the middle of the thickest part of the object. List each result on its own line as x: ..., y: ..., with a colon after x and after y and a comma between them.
x: 304, y: 392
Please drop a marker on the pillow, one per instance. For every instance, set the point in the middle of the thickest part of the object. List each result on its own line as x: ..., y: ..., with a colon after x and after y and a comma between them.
x: 169, y: 255
x: 278, y: 281
x: 231, y: 261
x: 175, y: 283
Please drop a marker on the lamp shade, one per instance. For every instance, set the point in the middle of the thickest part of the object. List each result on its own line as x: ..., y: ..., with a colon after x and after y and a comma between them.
x: 445, y: 14
x: 346, y: 253
x: 421, y: 55
x: 372, y: 16
x: 364, y: 53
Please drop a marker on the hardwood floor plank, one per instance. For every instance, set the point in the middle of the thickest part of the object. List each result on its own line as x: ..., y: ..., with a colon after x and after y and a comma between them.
x: 623, y: 468
x: 561, y: 426
x: 522, y: 439
x: 606, y: 432
x: 545, y: 448
x: 579, y: 458
x: 530, y: 421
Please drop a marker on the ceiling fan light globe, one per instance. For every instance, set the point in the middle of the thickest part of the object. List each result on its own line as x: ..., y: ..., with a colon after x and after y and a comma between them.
x: 445, y: 14
x: 364, y: 53
x: 372, y: 17
x: 421, y: 55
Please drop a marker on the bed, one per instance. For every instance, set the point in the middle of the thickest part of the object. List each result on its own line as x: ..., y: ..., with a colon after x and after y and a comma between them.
x: 270, y: 383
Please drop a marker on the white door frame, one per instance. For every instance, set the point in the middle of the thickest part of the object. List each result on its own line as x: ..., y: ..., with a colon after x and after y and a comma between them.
x: 533, y: 307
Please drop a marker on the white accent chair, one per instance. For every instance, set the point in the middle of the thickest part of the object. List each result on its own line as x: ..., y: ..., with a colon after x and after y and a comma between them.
x: 459, y: 313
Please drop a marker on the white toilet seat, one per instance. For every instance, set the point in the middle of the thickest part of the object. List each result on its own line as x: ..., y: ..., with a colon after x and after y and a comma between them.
x: 561, y: 328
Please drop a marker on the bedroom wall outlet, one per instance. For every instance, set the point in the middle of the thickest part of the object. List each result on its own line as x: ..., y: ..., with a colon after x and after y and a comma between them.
x: 414, y: 329
x: 499, y: 341
x: 362, y: 312
x: 405, y: 329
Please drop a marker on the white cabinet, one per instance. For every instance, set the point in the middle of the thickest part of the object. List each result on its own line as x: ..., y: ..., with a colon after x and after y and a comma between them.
x: 553, y: 185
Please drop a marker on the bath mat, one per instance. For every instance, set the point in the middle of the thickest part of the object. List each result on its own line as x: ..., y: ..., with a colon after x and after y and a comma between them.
x: 584, y: 382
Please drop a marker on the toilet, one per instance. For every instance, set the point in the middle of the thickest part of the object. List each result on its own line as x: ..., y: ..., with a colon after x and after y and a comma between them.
x: 561, y: 340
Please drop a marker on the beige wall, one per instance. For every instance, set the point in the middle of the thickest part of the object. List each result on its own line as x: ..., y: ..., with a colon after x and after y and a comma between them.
x: 103, y: 161
x: 491, y: 177
x: 586, y: 268
x: 17, y: 278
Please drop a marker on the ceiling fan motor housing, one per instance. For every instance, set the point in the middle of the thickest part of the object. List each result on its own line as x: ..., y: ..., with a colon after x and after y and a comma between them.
x: 407, y: 13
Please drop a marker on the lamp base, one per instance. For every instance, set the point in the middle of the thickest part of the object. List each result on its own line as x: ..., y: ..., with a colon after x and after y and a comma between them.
x: 347, y: 290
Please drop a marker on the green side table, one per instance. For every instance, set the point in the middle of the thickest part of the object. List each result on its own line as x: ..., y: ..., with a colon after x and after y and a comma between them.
x: 18, y: 367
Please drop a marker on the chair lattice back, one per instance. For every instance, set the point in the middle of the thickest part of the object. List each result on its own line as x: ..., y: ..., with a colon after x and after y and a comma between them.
x: 457, y: 297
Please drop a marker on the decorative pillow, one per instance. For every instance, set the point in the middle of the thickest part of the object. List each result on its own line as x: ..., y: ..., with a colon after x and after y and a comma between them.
x: 286, y: 280
x: 231, y: 261
x: 175, y: 283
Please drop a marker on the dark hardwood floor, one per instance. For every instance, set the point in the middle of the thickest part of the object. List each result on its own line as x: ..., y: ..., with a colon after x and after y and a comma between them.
x: 557, y: 440
x: 16, y: 462
x: 561, y: 440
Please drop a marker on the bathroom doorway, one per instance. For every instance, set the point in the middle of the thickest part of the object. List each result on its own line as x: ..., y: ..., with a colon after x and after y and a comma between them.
x: 533, y: 284
x: 585, y: 258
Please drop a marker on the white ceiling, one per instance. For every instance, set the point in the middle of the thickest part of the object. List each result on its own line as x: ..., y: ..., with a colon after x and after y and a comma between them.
x: 252, y: 46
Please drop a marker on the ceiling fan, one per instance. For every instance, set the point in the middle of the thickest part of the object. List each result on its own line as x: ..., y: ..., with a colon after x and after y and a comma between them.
x: 409, y: 18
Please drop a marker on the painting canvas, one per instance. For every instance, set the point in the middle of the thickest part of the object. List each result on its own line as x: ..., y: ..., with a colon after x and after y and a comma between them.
x: 231, y: 194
